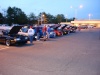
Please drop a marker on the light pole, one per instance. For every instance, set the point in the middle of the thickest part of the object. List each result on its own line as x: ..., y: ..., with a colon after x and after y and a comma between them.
x: 66, y: 18
x: 89, y: 15
x: 39, y: 18
x: 81, y: 6
x: 42, y: 15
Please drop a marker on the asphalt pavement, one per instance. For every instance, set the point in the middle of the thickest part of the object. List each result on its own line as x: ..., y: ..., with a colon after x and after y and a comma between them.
x: 74, y: 54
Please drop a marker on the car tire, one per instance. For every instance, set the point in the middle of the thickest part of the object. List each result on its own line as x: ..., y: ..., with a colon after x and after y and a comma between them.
x: 8, y: 43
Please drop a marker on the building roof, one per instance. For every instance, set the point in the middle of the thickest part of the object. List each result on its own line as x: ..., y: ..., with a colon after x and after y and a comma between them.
x: 86, y: 21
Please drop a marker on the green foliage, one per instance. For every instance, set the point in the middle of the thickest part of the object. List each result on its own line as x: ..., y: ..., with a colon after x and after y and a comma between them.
x: 17, y: 16
x: 51, y: 18
x: 32, y: 18
x: 1, y: 18
x: 60, y: 18
x: 71, y: 19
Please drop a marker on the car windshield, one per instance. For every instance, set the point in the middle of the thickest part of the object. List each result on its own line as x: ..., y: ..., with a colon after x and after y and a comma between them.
x: 59, y: 28
x: 52, y: 29
x: 24, y: 29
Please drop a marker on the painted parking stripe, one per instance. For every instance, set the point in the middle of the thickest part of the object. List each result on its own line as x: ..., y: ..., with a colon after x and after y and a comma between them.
x: 3, y: 48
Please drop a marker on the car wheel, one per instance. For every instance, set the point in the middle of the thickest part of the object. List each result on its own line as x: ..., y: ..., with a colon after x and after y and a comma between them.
x: 8, y: 43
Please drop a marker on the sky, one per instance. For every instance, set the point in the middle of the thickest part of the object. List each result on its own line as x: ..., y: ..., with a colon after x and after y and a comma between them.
x: 55, y: 7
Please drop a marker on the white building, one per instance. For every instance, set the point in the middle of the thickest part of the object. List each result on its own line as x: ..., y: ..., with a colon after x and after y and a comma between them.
x: 84, y: 22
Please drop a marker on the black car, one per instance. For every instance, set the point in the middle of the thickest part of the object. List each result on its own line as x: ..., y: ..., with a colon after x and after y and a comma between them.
x: 73, y: 29
x: 11, y: 36
x: 64, y: 30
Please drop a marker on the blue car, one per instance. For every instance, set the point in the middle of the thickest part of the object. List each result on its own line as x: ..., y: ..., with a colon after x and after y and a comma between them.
x: 52, y: 33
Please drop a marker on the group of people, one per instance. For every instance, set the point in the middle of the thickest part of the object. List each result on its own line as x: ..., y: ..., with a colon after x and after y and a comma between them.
x: 45, y: 30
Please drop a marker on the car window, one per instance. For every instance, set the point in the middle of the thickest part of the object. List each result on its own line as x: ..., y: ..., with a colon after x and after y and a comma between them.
x: 24, y: 29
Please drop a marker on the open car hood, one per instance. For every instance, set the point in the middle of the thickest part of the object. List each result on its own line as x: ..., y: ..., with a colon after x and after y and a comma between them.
x: 15, y: 29
x: 56, y: 27
x: 64, y: 26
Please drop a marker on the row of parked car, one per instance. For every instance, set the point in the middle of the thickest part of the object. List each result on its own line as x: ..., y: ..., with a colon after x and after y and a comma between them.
x: 18, y: 34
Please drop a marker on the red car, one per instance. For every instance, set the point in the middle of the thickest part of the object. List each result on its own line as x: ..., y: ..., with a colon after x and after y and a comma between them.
x: 56, y: 30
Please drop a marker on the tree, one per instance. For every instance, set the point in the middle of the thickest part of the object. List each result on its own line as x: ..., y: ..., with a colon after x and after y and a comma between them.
x: 50, y: 18
x: 16, y: 15
x: 60, y: 18
x: 9, y: 15
x: 71, y: 19
x: 42, y: 18
x: 1, y: 18
x: 74, y: 18
x: 32, y: 19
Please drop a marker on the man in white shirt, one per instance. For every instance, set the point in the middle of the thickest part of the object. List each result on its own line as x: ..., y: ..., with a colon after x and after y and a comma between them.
x: 31, y: 33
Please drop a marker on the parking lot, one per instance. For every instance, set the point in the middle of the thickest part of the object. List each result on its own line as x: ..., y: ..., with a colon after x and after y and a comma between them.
x: 73, y: 54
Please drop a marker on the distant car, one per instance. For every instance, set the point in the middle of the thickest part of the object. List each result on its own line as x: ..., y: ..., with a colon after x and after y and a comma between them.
x: 73, y: 29
x: 64, y: 29
x: 52, y: 33
x: 83, y: 26
x: 90, y: 26
x: 11, y: 36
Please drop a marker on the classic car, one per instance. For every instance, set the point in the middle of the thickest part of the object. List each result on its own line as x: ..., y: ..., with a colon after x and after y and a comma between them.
x: 73, y: 29
x: 56, y: 30
x: 11, y: 36
x: 52, y: 33
x: 64, y: 29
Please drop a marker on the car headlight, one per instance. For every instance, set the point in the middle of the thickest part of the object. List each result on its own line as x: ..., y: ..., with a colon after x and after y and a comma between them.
x: 26, y: 37
x: 35, y: 36
x: 17, y: 39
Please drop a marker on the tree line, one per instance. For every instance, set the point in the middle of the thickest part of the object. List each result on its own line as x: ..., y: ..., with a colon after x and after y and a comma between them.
x: 15, y: 15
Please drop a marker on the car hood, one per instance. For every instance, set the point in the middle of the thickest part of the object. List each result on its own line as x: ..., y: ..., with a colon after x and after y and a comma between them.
x: 56, y: 27
x: 64, y: 26
x: 15, y: 29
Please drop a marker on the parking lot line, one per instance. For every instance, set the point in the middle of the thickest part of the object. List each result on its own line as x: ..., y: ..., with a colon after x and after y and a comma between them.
x: 3, y: 48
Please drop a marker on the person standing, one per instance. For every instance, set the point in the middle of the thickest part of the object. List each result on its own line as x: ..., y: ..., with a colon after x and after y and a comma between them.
x: 48, y: 32
x: 44, y: 32
x: 38, y: 33
x: 31, y: 32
